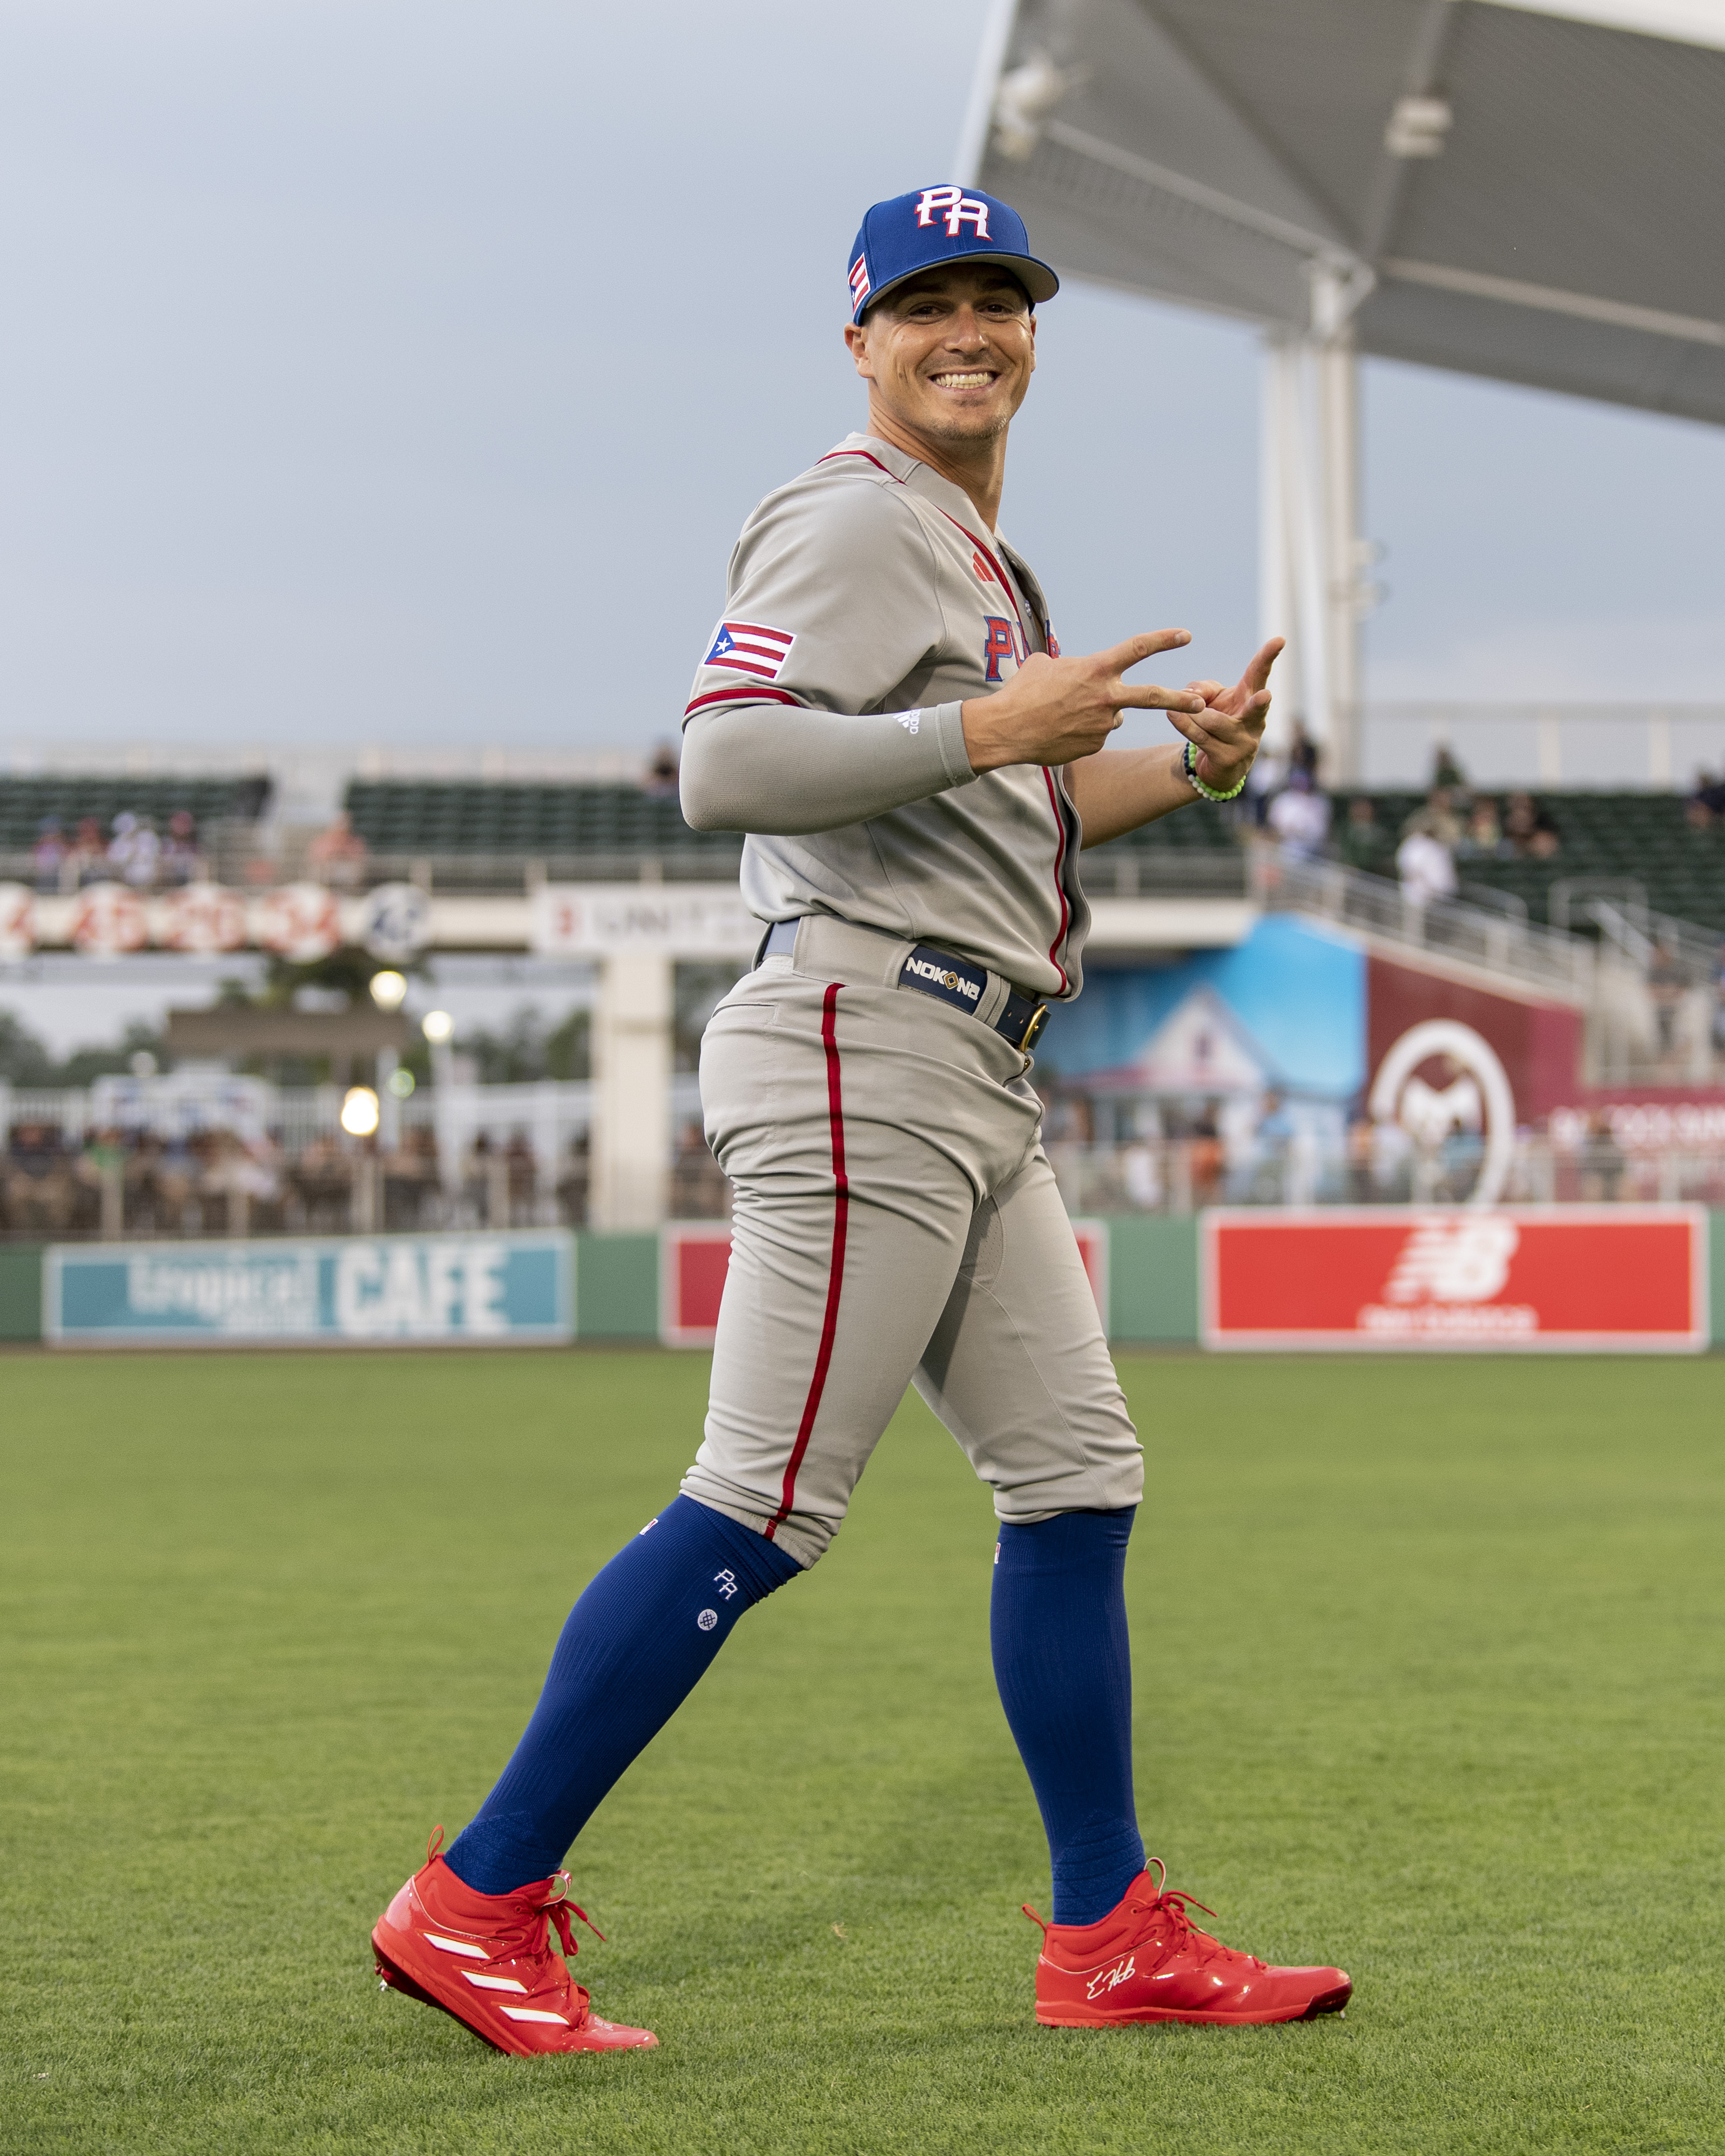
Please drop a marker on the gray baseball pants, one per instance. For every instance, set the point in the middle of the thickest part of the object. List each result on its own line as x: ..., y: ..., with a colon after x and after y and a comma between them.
x: 896, y: 1222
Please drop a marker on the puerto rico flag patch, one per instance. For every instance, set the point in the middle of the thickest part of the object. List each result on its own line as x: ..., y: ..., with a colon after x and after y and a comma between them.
x: 751, y: 649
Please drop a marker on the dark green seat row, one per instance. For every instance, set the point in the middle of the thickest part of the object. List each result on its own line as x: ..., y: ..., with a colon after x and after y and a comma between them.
x: 396, y: 816
x: 26, y: 802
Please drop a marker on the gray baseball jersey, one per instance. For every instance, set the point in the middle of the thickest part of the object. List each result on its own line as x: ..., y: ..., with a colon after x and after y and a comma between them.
x: 865, y: 603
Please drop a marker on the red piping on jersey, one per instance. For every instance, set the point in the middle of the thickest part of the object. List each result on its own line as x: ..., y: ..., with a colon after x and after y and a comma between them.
x: 1053, y: 797
x: 1054, y: 802
x: 740, y: 695
x: 832, y: 454
x: 835, y: 1275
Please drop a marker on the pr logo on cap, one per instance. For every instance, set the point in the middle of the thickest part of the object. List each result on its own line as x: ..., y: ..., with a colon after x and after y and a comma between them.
x: 958, y: 208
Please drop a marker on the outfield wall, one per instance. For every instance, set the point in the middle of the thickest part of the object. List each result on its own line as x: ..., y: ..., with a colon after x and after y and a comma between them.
x: 588, y: 1286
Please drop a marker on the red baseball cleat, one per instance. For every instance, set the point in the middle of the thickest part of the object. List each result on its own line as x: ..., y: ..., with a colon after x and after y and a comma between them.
x: 1147, y: 1961
x: 487, y: 1959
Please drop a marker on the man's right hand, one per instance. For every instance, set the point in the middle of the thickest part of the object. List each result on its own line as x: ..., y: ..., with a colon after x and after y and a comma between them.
x: 1057, y: 710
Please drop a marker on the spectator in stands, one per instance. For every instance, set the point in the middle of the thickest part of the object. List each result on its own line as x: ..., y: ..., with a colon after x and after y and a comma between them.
x: 1304, y: 753
x: 180, y: 859
x: 40, y: 1191
x: 1445, y: 772
x: 1705, y: 806
x: 1299, y: 817
x: 1719, y: 1002
x: 1529, y: 830
x: 87, y: 860
x: 1362, y: 843
x: 660, y: 782
x: 1206, y: 1156
x: 1603, y: 1160
x: 1483, y: 839
x: 1666, y: 987
x: 1439, y: 817
x: 1425, y: 863
x: 338, y: 854
x: 49, y: 854
x: 134, y: 851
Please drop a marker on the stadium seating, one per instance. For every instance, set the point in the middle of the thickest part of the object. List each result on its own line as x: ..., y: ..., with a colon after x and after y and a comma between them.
x: 24, y: 802
x: 400, y: 816
x: 1639, y: 836
x: 1642, y: 838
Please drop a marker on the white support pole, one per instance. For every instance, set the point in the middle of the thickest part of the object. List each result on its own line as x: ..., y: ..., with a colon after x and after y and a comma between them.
x: 1308, y: 556
x: 1277, y: 615
x: 1337, y: 368
x: 632, y: 1088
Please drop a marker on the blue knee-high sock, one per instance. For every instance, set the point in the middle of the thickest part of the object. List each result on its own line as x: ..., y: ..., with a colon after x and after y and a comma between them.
x: 1057, y: 1625
x: 631, y: 1652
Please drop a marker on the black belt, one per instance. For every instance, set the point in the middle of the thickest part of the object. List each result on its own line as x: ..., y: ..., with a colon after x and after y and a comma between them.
x: 956, y: 981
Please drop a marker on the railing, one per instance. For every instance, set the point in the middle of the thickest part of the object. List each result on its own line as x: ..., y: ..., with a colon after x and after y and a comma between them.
x: 1658, y: 945
x: 153, y: 1157
x: 1117, y: 870
x: 1377, y: 1166
x: 233, y: 860
x: 1551, y: 959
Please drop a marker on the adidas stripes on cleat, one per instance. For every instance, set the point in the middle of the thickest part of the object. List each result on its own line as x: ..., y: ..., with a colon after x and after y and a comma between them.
x: 1146, y: 1961
x: 487, y: 1959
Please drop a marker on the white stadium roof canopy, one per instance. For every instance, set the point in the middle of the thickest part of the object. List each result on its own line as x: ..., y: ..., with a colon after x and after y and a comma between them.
x: 1532, y: 190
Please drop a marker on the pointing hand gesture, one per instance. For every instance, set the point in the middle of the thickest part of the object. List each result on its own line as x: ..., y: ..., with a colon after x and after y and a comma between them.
x: 1228, y: 728
x: 1059, y: 710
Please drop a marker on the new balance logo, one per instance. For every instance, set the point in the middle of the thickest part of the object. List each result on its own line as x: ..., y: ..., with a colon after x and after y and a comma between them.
x: 1104, y: 1981
x: 954, y: 208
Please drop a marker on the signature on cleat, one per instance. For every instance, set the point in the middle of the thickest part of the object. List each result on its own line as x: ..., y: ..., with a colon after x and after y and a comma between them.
x: 1106, y: 1979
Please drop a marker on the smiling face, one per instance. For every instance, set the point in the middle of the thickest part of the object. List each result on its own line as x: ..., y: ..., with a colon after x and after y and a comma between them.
x: 949, y: 355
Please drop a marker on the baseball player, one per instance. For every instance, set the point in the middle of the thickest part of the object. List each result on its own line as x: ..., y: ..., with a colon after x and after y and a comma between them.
x: 885, y: 711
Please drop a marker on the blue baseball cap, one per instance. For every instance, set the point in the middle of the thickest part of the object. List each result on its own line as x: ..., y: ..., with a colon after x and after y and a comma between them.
x: 935, y: 225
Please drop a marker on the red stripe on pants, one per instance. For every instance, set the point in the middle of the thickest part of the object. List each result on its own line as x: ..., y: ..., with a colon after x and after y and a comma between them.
x: 835, y: 1276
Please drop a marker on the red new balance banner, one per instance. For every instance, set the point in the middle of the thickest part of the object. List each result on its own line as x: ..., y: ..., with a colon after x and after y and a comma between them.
x: 1628, y: 1277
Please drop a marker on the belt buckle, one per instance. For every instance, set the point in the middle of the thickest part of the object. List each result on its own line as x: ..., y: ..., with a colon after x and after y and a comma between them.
x: 1033, y: 1029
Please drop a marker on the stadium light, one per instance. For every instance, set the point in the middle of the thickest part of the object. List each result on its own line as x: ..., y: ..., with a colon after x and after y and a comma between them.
x: 389, y: 990
x: 436, y: 1026
x: 359, y: 1111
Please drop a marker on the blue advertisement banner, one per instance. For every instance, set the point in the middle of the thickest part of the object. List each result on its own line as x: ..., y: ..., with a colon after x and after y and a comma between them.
x: 476, y: 1290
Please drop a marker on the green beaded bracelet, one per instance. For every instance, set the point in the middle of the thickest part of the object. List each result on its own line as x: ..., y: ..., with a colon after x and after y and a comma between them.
x: 1188, y: 764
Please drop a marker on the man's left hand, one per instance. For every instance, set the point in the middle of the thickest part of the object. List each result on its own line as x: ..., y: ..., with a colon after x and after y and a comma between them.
x: 1227, y: 732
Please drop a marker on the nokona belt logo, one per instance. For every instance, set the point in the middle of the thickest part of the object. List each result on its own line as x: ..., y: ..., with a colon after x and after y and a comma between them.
x: 942, y: 980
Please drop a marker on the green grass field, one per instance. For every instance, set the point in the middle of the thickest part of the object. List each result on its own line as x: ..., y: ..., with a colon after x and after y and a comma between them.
x: 1427, y: 1661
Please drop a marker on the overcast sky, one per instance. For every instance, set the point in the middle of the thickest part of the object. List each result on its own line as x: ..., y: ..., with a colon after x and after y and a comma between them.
x: 397, y: 371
